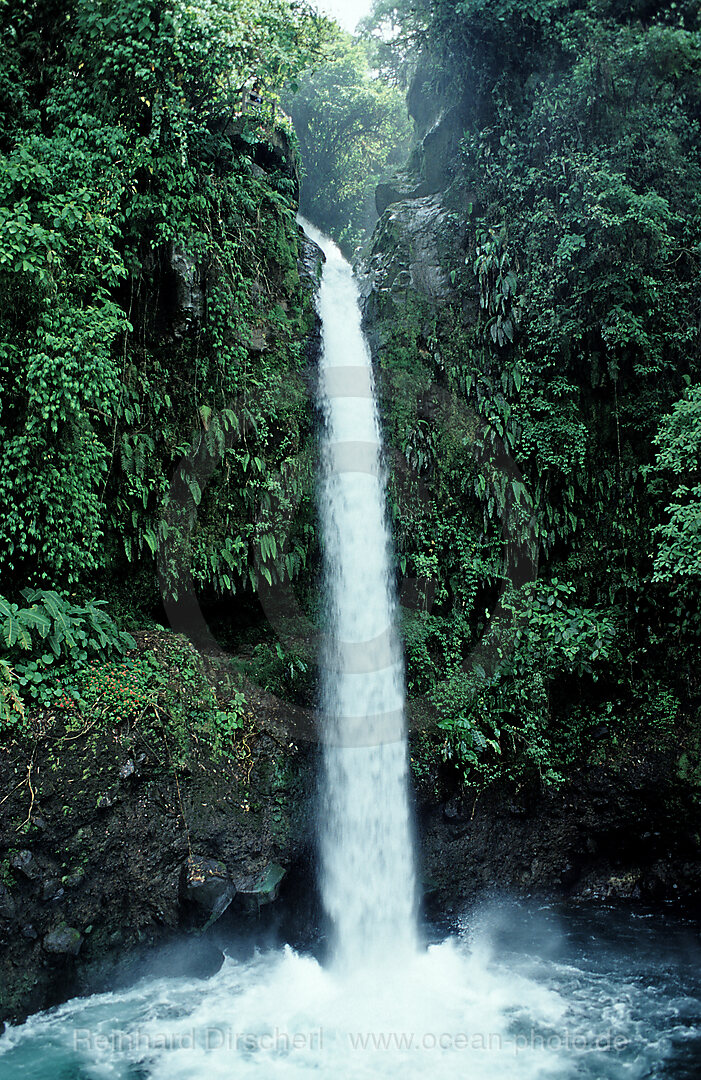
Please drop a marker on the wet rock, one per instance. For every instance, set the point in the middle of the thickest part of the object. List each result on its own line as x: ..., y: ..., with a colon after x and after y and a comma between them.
x: 26, y: 864
x: 605, y: 885
x: 206, y: 883
x: 254, y: 892
x: 401, y: 186
x: 64, y: 941
x: 128, y: 769
x: 311, y: 260
x: 423, y: 96
x: 416, y: 243
x: 8, y: 908
x: 440, y: 145
x: 51, y: 889
x: 189, y: 296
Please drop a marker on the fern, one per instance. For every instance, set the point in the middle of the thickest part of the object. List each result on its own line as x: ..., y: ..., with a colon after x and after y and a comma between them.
x: 11, y: 704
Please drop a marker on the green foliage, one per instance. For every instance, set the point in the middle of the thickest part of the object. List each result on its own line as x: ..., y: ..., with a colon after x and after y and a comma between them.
x: 678, y: 555
x: 68, y: 629
x: 166, y: 697
x: 116, y: 692
x: 551, y: 382
x: 496, y: 711
x: 49, y: 643
x: 152, y: 313
x: 352, y: 127
x: 231, y: 720
x: 11, y: 704
x: 554, y: 634
x: 397, y: 30
x: 281, y: 671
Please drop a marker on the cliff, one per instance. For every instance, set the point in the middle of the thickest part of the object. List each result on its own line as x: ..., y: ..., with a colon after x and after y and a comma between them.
x: 543, y: 764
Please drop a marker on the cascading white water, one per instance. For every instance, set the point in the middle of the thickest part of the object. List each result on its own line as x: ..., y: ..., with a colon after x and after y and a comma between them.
x: 368, y: 882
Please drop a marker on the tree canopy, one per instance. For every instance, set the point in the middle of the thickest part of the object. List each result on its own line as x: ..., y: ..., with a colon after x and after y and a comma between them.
x: 352, y: 127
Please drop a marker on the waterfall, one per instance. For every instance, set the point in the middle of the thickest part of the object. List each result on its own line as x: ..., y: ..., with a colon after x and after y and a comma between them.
x: 368, y: 882
x: 505, y: 994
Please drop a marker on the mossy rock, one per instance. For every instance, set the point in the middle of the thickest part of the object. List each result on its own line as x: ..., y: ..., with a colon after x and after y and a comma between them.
x: 254, y: 893
x: 63, y: 941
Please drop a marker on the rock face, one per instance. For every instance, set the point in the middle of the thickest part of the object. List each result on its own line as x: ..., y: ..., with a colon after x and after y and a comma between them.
x: 188, y: 292
x: 415, y: 243
x: 403, y: 185
x: 409, y: 251
x: 624, y: 834
x: 100, y: 886
x: 311, y: 261
x: 310, y: 266
x: 439, y: 146
x: 419, y: 240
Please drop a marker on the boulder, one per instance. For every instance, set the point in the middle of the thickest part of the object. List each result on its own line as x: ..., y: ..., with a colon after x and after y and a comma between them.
x: 51, y: 889
x: 255, y: 891
x: 64, y: 941
x: 206, y: 883
x: 26, y: 864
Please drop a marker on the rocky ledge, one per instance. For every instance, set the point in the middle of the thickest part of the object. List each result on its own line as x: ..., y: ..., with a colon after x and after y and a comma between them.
x: 108, y: 848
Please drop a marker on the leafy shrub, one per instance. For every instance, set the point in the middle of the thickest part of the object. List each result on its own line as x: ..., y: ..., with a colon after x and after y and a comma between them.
x: 119, y: 691
x: 280, y: 671
x: 11, y: 704
x: 498, y: 722
x: 50, y: 641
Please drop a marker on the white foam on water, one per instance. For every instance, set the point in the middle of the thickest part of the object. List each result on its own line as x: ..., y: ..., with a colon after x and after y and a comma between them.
x: 454, y: 1010
x: 284, y: 1015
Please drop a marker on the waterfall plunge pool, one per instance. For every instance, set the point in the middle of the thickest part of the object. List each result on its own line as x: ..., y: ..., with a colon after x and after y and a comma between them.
x: 512, y: 992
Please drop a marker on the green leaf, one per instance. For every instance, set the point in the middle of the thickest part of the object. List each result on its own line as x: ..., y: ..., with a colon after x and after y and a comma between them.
x: 10, y: 631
